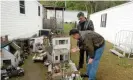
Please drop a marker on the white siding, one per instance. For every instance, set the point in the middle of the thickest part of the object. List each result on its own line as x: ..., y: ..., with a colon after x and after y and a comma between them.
x: 118, y: 18
x: 7, y: 55
x: 55, y: 46
x: 17, y: 25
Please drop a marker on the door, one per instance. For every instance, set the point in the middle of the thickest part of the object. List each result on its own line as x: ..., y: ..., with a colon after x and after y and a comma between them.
x: 61, y: 57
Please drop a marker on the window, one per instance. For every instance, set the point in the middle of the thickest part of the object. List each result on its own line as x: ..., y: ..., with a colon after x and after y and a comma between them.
x: 56, y: 57
x: 103, y: 20
x: 61, y: 41
x: 15, y: 60
x: 7, y: 62
x: 66, y: 41
x: 22, y: 6
x: 38, y: 10
x: 56, y: 42
x: 66, y: 57
x: 12, y: 49
x: 61, y: 57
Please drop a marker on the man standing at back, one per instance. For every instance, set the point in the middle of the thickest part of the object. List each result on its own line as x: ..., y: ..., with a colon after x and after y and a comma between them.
x: 83, y: 25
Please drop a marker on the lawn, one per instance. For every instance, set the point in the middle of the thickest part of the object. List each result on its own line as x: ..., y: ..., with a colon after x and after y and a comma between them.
x: 110, y: 68
x: 68, y: 27
x: 33, y: 71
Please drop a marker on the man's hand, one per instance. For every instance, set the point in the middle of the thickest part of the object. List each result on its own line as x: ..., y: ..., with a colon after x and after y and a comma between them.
x: 75, y: 49
x: 90, y: 60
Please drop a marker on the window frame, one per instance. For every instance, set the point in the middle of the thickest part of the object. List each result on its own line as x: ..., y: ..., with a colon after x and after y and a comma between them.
x: 61, y: 42
x: 22, y: 6
x: 56, y: 57
x: 103, y: 20
x: 39, y: 11
x: 7, y: 62
x: 12, y: 49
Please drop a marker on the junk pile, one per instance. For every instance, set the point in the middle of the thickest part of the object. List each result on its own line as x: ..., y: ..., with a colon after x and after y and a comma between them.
x: 60, y: 67
x: 63, y: 71
x: 11, y: 59
x: 11, y: 71
x: 25, y: 47
x: 36, y: 44
x: 38, y: 49
x: 54, y: 52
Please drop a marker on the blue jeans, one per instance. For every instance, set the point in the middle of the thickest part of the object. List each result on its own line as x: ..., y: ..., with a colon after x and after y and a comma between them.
x: 92, y: 68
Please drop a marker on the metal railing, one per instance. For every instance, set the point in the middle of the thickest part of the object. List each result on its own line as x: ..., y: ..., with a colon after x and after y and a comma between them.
x: 124, y: 40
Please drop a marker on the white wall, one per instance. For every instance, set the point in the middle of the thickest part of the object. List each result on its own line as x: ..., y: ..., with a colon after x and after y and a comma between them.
x: 17, y: 25
x: 60, y: 46
x: 118, y: 18
x: 55, y: 53
x: 7, y: 55
x: 70, y: 16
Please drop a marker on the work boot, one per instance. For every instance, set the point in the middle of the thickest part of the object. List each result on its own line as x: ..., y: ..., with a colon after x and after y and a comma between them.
x: 84, y: 75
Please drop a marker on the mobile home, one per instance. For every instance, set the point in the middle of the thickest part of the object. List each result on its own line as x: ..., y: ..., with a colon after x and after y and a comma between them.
x: 116, y: 25
x: 20, y: 19
x: 110, y: 21
x: 10, y: 52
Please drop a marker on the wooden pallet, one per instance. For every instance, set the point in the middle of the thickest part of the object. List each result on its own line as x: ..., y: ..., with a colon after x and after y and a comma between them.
x: 116, y: 52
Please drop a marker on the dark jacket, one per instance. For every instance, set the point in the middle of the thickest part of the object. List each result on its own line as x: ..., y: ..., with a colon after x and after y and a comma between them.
x: 87, y: 25
x: 91, y: 41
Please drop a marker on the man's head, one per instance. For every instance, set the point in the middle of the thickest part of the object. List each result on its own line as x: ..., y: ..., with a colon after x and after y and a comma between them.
x: 74, y: 33
x: 81, y: 17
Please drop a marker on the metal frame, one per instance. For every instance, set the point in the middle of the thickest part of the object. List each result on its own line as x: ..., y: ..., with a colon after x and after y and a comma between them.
x: 124, y: 42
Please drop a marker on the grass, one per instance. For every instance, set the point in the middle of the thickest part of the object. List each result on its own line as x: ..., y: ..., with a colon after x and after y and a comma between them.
x: 33, y: 71
x: 110, y: 67
x: 67, y: 28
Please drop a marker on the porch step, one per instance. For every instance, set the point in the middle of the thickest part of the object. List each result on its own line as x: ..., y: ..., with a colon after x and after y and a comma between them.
x: 116, y: 52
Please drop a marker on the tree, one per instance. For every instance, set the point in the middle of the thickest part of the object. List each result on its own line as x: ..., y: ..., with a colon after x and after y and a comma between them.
x: 89, y: 6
